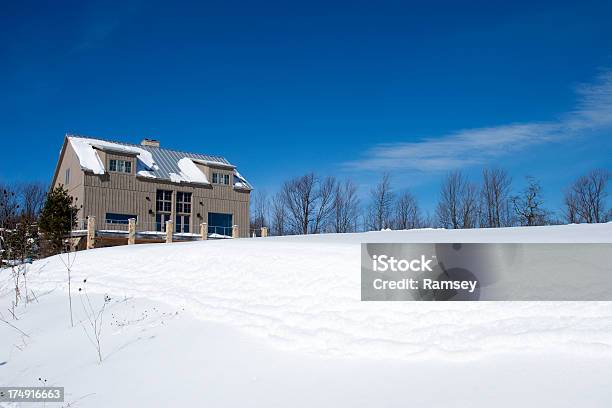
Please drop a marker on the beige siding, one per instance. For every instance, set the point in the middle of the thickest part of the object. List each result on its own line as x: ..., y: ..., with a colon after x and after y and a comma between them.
x: 128, y: 194
x: 75, y: 186
x: 205, y: 169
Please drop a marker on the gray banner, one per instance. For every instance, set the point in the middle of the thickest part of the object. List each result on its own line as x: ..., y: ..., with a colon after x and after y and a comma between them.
x: 486, y: 271
x: 31, y: 394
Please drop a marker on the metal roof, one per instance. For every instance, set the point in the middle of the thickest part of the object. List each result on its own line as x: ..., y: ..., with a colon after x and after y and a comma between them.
x: 167, y: 159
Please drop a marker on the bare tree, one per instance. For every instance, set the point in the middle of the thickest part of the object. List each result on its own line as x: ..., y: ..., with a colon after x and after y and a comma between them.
x: 529, y: 205
x: 449, y: 205
x: 450, y: 209
x: 19, y: 240
x: 379, y: 214
x: 309, y: 203
x: 510, y: 220
x: 495, y: 197
x: 9, y: 206
x: 458, y: 206
x: 407, y: 212
x: 33, y: 197
x: 12, y: 239
x: 279, y: 215
x: 570, y: 201
x: 346, y: 207
x: 299, y: 197
x: 585, y: 201
x: 324, y: 204
x: 259, y: 210
x: 469, y: 206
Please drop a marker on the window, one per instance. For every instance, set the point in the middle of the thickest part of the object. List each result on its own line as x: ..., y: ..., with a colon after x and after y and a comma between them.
x: 112, y: 218
x: 163, y: 202
x: 163, y: 207
x: 183, y: 202
x: 219, y: 223
x: 183, y: 209
x: 182, y: 223
x: 160, y: 222
x: 120, y: 166
x: 220, y: 178
x: 67, y: 177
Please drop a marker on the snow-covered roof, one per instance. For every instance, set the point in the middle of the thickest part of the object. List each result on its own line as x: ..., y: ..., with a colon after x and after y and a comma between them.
x: 152, y: 161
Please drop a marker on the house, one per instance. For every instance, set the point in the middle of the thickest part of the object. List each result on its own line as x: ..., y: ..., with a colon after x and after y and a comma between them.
x: 116, y: 181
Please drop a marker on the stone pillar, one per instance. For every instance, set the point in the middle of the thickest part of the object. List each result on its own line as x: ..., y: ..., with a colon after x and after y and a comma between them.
x: 264, y: 232
x: 235, y: 232
x: 91, y: 232
x: 204, y: 231
x: 131, y: 231
x: 169, y: 232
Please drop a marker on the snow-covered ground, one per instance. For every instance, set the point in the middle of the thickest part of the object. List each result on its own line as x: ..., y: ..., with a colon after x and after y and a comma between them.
x: 279, y: 322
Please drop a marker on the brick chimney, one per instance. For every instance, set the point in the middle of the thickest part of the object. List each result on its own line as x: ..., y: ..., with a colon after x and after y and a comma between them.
x: 149, y: 142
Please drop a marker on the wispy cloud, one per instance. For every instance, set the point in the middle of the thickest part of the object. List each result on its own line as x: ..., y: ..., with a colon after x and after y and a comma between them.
x: 467, y: 147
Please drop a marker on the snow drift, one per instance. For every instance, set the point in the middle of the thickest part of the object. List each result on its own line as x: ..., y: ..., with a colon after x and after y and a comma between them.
x: 278, y: 322
x: 303, y: 293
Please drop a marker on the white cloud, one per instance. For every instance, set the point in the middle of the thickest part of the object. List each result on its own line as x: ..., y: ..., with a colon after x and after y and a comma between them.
x: 476, y: 146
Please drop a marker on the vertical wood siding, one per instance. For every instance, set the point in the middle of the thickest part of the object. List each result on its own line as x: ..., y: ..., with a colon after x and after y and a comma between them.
x: 128, y: 194
x: 75, y: 186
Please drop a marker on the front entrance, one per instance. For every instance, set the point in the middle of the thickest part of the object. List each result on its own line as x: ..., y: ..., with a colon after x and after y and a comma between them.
x: 220, y: 224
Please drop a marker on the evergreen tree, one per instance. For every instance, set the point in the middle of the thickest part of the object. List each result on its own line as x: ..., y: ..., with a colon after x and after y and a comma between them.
x: 21, y: 242
x: 57, y: 218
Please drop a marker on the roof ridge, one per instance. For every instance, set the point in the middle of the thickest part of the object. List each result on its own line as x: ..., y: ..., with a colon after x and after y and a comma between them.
x: 139, y: 145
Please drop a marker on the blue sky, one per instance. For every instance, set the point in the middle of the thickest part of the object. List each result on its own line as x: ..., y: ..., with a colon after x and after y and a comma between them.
x: 350, y: 89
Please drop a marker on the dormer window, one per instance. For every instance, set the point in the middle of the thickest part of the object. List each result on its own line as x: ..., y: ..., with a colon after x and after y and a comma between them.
x: 120, y: 166
x: 220, y: 178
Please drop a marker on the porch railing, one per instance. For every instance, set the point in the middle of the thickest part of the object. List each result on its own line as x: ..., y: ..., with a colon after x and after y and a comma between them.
x: 135, y: 230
